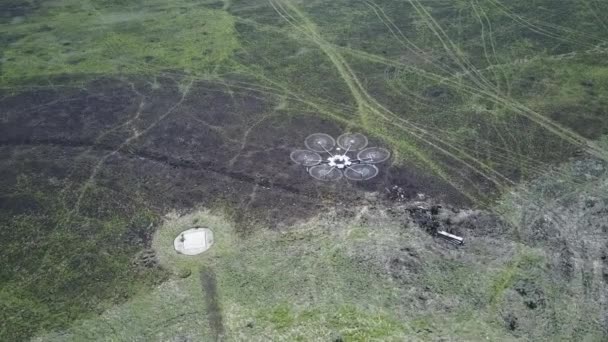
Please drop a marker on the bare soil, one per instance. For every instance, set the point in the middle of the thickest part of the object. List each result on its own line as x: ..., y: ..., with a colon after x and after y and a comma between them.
x: 179, y: 149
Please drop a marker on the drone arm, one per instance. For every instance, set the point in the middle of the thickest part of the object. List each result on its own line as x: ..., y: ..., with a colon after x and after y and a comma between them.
x: 326, y: 150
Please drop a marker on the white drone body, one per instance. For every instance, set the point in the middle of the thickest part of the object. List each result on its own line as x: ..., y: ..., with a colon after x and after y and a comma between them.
x: 340, y: 161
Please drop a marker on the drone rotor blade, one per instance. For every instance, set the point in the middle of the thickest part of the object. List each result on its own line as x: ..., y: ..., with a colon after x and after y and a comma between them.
x: 320, y: 142
x: 305, y: 157
x: 352, y: 141
x: 374, y: 155
x: 325, y: 173
x: 361, y: 172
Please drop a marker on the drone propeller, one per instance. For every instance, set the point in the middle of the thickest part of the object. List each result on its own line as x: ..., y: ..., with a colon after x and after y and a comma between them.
x: 325, y: 172
x: 373, y: 155
x: 360, y: 172
x: 352, y: 141
x: 320, y: 142
x: 305, y: 157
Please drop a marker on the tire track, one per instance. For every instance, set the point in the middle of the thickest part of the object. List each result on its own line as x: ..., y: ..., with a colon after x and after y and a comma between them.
x: 154, y: 157
x: 214, y: 311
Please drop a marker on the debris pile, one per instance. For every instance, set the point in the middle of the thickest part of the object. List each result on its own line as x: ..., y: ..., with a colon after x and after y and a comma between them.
x: 439, y: 220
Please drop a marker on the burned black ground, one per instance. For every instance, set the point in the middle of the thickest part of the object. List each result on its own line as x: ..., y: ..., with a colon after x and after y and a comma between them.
x: 116, y: 148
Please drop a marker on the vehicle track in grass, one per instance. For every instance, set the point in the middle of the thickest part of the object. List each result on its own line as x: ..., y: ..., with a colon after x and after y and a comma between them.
x: 157, y: 158
x: 212, y: 303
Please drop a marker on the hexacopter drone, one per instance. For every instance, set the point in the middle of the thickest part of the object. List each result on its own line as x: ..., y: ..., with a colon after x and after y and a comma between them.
x: 339, y: 163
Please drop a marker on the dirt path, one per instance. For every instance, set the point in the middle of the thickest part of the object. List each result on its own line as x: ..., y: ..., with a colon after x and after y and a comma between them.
x: 214, y: 312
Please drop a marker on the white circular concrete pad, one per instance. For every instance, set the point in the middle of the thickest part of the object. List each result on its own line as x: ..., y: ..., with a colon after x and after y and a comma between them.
x: 193, y: 241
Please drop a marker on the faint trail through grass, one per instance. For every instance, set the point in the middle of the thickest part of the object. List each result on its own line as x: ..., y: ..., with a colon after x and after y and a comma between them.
x: 213, y: 309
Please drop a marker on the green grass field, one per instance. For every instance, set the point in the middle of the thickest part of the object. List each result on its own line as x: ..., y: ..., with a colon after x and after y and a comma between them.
x: 493, y: 98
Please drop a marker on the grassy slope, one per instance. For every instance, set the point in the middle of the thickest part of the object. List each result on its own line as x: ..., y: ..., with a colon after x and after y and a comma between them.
x: 99, y: 38
x: 544, y: 55
x: 66, y: 264
x: 78, y: 262
x: 333, y: 277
